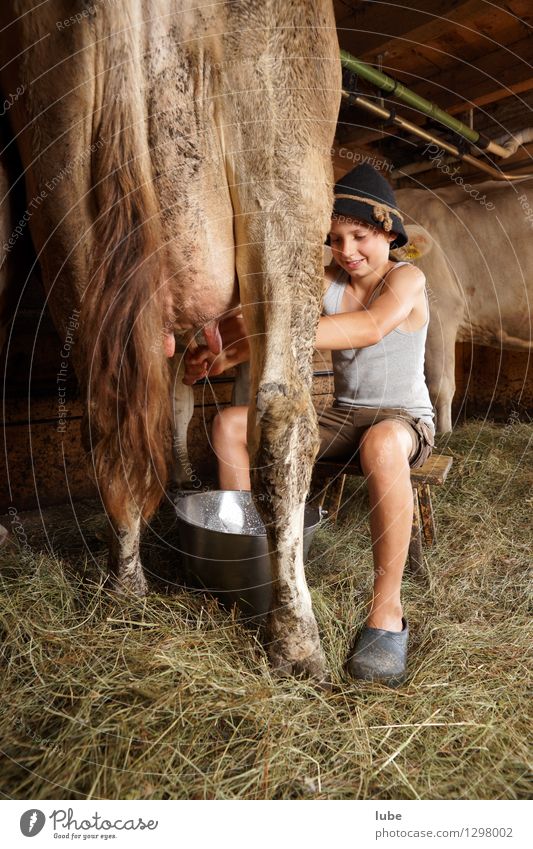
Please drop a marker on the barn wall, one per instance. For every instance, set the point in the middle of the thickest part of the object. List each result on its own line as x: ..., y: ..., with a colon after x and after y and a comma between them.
x: 46, y: 467
x: 44, y: 463
x: 493, y: 383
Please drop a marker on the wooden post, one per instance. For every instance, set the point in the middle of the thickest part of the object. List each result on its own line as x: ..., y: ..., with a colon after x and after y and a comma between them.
x: 416, y: 558
x: 335, y: 491
x: 426, y: 512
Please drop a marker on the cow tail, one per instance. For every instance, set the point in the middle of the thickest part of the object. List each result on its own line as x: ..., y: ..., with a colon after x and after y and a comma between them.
x: 126, y: 375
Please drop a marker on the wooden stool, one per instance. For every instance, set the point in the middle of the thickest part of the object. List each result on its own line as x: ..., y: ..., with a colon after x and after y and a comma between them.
x: 433, y: 473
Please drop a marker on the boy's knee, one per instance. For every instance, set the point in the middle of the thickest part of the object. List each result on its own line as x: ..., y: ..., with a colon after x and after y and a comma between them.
x: 229, y: 424
x: 384, y: 447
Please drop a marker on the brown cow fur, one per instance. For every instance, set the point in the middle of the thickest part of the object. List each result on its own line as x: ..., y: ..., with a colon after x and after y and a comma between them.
x: 184, y: 153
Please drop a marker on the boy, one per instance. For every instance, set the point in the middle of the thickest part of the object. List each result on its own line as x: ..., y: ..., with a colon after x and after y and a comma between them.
x: 375, y: 318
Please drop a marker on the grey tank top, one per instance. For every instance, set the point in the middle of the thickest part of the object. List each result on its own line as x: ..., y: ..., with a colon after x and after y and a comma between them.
x: 387, y: 374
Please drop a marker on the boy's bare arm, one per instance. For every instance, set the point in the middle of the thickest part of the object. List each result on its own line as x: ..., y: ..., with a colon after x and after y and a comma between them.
x: 391, y: 308
x: 334, y: 332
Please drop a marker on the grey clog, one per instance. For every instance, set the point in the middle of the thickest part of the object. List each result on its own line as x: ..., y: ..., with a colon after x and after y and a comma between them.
x: 380, y: 656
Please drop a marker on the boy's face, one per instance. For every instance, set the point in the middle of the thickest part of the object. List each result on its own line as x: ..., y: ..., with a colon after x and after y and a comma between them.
x: 357, y: 247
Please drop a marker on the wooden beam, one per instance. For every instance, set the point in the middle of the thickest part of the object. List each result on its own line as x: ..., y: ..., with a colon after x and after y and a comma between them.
x: 456, y: 89
x: 381, y: 22
x: 376, y: 29
x: 494, y: 96
x: 431, y: 27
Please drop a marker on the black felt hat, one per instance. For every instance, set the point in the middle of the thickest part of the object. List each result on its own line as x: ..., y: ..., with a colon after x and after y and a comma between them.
x: 364, y: 194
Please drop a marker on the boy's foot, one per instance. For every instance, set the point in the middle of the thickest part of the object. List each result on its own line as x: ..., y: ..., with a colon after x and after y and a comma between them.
x: 380, y: 655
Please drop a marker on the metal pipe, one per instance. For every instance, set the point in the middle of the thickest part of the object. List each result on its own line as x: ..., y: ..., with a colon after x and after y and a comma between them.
x: 429, y: 137
x: 512, y: 141
x: 418, y: 167
x: 396, y: 89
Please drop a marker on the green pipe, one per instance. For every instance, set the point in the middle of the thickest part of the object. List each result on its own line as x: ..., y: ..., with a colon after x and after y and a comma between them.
x: 390, y: 86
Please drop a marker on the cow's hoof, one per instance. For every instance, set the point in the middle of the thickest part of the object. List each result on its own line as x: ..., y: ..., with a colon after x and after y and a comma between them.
x: 313, y: 666
x: 124, y: 585
x: 293, y: 646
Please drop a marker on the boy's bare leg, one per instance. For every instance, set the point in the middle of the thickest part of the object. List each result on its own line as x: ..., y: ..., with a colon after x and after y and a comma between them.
x: 384, y: 452
x: 230, y: 446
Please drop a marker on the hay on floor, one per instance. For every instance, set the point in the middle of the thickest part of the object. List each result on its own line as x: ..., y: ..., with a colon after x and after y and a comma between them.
x: 172, y: 697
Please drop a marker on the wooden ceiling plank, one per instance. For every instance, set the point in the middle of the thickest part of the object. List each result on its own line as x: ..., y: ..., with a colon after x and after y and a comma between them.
x: 494, y: 96
x: 432, y: 56
x: 476, y: 17
x: 433, y: 25
x: 381, y: 22
x: 520, y: 8
x: 490, y: 73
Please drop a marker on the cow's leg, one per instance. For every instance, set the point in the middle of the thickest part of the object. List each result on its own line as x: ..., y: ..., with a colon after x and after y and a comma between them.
x: 182, y: 412
x: 280, y: 179
x: 440, y: 371
x: 279, y: 262
x: 125, y: 567
x: 283, y: 443
x: 123, y: 535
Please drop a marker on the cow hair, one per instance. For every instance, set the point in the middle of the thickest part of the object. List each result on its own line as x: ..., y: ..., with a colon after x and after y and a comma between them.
x: 126, y: 377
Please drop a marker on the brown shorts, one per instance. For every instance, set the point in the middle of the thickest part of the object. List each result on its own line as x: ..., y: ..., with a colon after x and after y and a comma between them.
x: 341, y: 429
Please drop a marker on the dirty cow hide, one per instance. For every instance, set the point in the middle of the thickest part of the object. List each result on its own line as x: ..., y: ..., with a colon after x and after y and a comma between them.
x: 177, y: 160
x: 477, y: 255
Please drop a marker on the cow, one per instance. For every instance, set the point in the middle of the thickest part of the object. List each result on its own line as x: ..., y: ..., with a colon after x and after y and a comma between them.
x: 476, y: 249
x: 176, y: 162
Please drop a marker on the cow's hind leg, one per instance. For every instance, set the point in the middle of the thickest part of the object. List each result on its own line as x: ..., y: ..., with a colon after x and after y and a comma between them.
x: 280, y: 274
x: 281, y: 465
x: 125, y: 567
x: 283, y: 108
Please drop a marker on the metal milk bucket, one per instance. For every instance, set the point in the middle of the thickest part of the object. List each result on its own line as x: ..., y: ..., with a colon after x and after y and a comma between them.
x: 224, y: 547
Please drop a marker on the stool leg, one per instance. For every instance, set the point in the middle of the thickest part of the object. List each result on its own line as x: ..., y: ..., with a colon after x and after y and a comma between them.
x: 426, y: 512
x: 317, y: 491
x: 335, y: 490
x: 416, y: 558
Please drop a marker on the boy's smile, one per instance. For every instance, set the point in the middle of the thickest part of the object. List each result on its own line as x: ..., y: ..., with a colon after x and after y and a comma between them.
x: 353, y: 264
x: 358, y: 248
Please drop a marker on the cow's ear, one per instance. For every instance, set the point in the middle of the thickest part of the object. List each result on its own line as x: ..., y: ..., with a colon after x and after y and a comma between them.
x: 419, y: 244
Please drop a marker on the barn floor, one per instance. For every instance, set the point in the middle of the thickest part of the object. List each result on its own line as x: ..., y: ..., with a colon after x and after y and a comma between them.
x: 172, y: 697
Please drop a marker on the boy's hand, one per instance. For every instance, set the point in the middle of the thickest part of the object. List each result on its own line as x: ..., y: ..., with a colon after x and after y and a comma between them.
x: 202, y: 362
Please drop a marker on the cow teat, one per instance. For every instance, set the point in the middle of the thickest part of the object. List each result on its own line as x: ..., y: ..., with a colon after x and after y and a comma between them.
x: 212, y: 336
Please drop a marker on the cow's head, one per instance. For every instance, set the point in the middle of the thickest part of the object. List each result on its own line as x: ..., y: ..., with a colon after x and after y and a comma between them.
x: 419, y: 244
